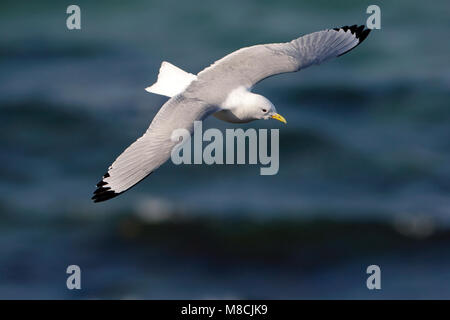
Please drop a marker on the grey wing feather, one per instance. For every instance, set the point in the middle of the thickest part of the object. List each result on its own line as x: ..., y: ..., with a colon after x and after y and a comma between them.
x: 248, y: 66
x: 152, y: 149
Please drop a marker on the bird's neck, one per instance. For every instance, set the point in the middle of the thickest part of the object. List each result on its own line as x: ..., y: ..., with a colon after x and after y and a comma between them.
x: 240, y: 101
x: 243, y: 105
x: 236, y: 98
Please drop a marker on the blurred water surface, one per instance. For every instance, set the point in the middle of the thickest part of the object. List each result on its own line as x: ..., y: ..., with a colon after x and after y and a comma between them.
x: 364, y: 171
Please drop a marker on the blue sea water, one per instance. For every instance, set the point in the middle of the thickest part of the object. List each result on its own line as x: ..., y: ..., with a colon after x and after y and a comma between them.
x: 364, y: 159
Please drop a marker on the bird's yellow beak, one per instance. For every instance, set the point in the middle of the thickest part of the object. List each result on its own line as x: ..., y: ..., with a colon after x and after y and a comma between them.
x: 279, y: 117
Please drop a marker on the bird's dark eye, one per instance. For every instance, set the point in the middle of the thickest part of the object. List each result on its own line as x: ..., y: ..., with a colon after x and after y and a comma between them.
x: 264, y: 110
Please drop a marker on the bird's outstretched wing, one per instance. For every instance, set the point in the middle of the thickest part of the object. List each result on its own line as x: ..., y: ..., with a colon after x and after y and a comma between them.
x: 248, y: 66
x: 152, y: 149
x: 244, y: 67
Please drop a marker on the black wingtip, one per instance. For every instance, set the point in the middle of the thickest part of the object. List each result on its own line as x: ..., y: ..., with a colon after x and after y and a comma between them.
x: 359, y: 31
x: 103, y: 192
x: 104, y: 195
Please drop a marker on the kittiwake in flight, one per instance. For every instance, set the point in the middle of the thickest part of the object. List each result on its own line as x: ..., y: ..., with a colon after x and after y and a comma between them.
x: 223, y: 90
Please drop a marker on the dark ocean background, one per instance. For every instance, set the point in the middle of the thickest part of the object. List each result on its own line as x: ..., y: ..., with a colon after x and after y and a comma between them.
x: 364, y: 159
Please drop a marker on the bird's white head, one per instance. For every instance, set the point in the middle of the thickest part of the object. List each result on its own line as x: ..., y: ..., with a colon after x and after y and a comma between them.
x: 257, y: 107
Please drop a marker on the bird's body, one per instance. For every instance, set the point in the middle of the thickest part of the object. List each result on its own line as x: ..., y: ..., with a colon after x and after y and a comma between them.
x: 224, y: 90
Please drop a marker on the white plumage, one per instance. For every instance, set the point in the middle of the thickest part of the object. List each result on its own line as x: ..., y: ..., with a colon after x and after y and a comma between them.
x: 171, y: 80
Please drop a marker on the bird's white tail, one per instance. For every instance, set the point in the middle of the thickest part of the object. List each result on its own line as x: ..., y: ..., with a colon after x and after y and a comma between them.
x: 171, y: 80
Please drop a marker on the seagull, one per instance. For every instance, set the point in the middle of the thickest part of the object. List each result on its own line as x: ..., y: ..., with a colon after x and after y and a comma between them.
x: 223, y: 90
